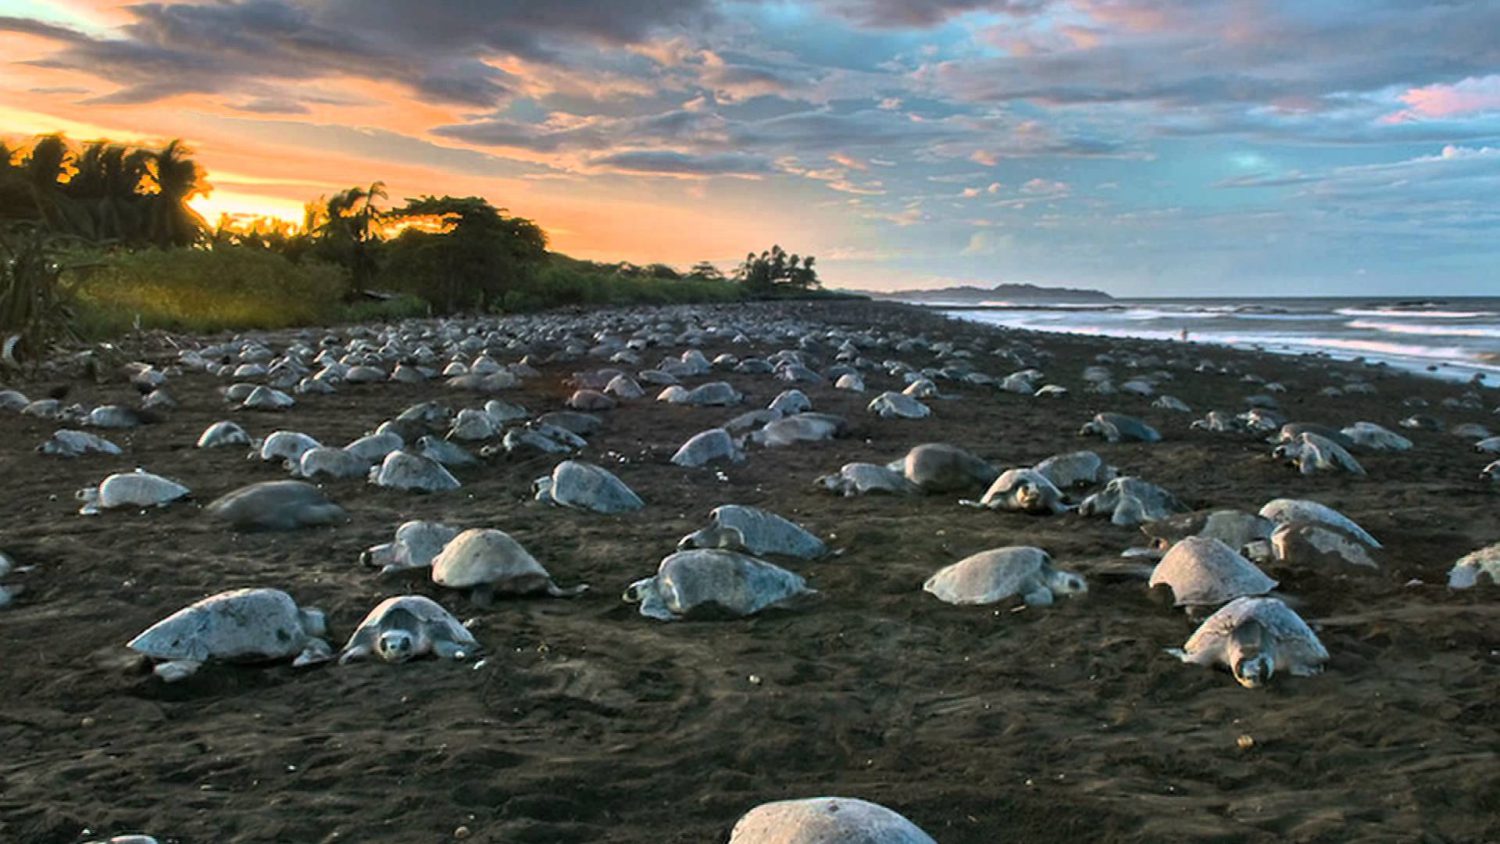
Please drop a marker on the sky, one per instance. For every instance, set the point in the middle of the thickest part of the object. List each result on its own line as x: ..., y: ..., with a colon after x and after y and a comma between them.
x: 1142, y: 147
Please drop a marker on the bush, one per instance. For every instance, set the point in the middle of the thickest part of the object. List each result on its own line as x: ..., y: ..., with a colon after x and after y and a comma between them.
x: 386, y: 310
x: 203, y: 290
x: 564, y: 281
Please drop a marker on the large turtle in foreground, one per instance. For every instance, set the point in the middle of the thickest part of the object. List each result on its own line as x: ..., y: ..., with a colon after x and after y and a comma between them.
x: 825, y: 820
x: 242, y: 625
x: 1255, y: 638
x: 712, y: 582
x: 409, y: 626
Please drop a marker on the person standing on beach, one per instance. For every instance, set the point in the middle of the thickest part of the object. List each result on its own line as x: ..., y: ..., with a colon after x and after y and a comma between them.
x: 1184, y: 335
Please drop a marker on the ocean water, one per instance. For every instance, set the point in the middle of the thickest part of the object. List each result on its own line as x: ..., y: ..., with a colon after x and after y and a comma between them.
x: 1456, y: 338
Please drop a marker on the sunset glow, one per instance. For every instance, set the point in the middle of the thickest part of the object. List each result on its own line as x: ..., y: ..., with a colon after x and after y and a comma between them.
x: 1139, y: 147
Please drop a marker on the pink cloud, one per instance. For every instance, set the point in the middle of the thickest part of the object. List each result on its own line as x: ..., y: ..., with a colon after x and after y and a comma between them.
x: 1474, y: 94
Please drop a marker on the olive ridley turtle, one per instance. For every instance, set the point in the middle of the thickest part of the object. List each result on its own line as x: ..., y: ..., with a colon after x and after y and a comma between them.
x: 584, y: 486
x: 825, y: 820
x: 754, y: 531
x: 406, y: 627
x: 1204, y: 572
x: 1254, y: 638
x: 714, y: 582
x: 486, y: 561
x: 999, y: 573
x: 276, y: 506
x: 241, y: 625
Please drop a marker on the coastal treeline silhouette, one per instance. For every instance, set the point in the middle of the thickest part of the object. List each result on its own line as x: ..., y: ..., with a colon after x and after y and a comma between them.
x: 100, y: 237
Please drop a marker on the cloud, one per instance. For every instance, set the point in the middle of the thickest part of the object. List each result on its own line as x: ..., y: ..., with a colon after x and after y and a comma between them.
x: 1045, y: 187
x: 681, y: 164
x: 924, y: 13
x: 1468, y: 96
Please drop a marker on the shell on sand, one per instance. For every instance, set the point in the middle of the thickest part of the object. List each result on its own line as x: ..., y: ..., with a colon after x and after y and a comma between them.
x: 276, y: 506
x: 241, y: 625
x: 492, y: 558
x: 755, y: 531
x: 1206, y: 572
x: 131, y: 489
x: 716, y: 582
x: 825, y: 820
x: 584, y: 486
x: 999, y: 573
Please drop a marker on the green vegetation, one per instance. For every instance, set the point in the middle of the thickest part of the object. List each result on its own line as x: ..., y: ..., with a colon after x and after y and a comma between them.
x: 99, y: 239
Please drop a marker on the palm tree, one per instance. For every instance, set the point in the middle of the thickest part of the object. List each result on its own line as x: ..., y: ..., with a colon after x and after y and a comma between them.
x: 347, y: 226
x: 107, y: 185
x: 176, y: 179
x: 45, y: 170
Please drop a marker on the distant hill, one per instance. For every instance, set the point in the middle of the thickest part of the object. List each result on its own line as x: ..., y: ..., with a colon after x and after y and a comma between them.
x: 1020, y: 293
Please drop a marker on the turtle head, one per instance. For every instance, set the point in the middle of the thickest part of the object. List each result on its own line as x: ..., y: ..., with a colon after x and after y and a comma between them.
x: 1067, y: 583
x: 395, y: 645
x: 1088, y: 428
x: 714, y: 536
x: 1250, y: 660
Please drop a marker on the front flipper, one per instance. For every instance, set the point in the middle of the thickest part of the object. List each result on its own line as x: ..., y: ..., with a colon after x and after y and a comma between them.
x: 570, y: 592
x: 449, y: 649
x: 1038, y: 597
x: 315, y: 652
x: 177, y: 669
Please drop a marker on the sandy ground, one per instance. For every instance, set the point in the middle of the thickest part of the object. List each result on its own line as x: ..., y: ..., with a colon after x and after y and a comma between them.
x: 590, y: 723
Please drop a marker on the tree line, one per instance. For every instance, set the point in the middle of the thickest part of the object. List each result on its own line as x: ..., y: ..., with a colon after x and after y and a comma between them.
x: 455, y: 253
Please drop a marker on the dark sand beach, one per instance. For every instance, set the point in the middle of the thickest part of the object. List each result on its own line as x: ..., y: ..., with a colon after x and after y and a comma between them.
x: 589, y: 723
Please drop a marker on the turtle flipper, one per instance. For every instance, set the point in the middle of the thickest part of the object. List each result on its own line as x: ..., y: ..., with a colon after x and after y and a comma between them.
x: 446, y: 648
x: 177, y: 669
x: 315, y: 652
x: 569, y: 592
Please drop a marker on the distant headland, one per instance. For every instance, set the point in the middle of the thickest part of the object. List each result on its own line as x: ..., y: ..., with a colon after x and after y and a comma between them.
x: 1017, y: 293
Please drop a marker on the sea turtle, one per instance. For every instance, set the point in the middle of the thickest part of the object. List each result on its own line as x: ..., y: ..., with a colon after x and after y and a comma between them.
x: 790, y: 402
x: 487, y: 561
x: 222, y: 434
x: 444, y: 452
x: 1467, y: 572
x: 327, y: 461
x: 921, y: 388
x: 1491, y: 472
x: 940, y: 468
x: 414, y: 546
x: 1490, y: 445
x: 1129, y: 500
x: 1311, y: 453
x: 373, y: 448
x: 866, y: 479
x: 1119, y: 428
x: 803, y: 427
x: 590, y: 400
x: 241, y: 625
x: 66, y: 442
x: 285, y: 445
x: 1312, y: 543
x: 113, y: 416
x: 707, y: 447
x: 1219, y: 422
x: 1375, y: 438
x: 1234, y: 528
x: 624, y: 387
x: 1204, y: 572
x: 413, y: 473
x: 267, y: 398
x: 825, y: 820
x: 472, y: 424
x: 1076, y: 469
x: 754, y: 531
x: 712, y: 394
x: 710, y: 581
x: 1283, y: 510
x: 999, y: 573
x: 13, y: 400
x: 1023, y: 491
x: 7, y: 593
x: 1254, y: 638
x: 851, y: 381
x: 277, y: 506
x: 130, y: 489
x: 890, y: 405
x: 1292, y: 432
x: 1166, y: 402
x: 520, y: 440
x: 584, y: 486
x: 406, y: 627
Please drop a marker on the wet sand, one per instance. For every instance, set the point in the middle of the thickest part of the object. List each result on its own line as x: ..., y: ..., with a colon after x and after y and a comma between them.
x: 589, y: 723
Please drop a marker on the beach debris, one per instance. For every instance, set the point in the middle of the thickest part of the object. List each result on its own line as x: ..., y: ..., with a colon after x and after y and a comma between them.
x: 708, y: 582
x: 1255, y: 638
x: 997, y: 574
x: 406, y: 627
x: 241, y: 625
